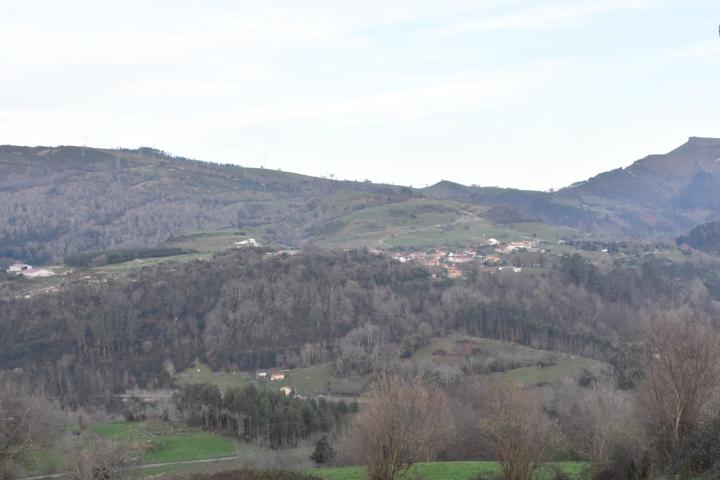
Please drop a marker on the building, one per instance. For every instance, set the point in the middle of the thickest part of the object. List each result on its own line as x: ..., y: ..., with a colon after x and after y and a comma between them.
x: 260, y: 374
x: 286, y: 390
x: 250, y: 242
x: 454, y: 272
x: 29, y: 271
x: 277, y: 376
x: 18, y: 268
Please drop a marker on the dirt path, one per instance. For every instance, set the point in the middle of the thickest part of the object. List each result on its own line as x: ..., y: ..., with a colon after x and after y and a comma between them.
x: 152, y: 465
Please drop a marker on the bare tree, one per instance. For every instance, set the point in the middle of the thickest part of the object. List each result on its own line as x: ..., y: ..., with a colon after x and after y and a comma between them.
x: 402, y: 422
x: 26, y: 423
x: 94, y: 458
x: 682, y: 377
x: 520, y: 429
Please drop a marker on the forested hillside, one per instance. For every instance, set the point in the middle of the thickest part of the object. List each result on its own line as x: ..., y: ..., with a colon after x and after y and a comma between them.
x: 703, y: 237
x: 63, y: 201
x: 247, y: 310
x: 56, y: 202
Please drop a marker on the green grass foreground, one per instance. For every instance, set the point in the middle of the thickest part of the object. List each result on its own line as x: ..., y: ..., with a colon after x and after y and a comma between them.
x: 453, y: 471
x: 164, y: 442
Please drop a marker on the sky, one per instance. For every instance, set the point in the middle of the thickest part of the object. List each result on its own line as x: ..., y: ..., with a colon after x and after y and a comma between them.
x: 513, y: 93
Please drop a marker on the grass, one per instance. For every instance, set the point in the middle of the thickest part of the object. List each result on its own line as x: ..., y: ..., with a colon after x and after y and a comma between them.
x: 451, y: 471
x: 316, y: 380
x: 213, y: 241
x: 490, y: 355
x: 310, y: 381
x: 165, y: 442
x: 567, y: 366
x: 201, y: 373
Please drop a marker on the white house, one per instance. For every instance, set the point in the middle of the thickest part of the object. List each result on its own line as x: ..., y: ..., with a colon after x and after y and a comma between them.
x: 19, y: 268
x: 250, y: 242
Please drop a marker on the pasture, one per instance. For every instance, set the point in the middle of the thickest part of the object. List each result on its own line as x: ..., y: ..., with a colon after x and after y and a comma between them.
x: 455, y: 471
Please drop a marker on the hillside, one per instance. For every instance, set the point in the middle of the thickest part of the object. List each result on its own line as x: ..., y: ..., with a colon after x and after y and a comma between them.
x: 55, y: 202
x: 703, y: 237
x: 58, y: 202
x: 660, y: 193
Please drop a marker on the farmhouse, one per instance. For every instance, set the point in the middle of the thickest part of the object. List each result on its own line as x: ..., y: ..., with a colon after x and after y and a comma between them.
x: 286, y: 390
x: 29, y: 271
x: 18, y: 268
x: 250, y: 242
x: 277, y: 376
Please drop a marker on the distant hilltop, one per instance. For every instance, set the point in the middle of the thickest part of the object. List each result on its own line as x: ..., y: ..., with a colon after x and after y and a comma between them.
x: 60, y: 201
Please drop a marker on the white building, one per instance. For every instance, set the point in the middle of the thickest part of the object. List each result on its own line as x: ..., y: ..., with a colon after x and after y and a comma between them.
x: 19, y: 268
x: 250, y: 242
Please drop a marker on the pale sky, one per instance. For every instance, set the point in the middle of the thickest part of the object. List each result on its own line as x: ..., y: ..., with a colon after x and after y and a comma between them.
x: 521, y: 93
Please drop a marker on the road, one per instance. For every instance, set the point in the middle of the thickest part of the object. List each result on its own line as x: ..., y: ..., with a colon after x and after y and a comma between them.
x: 153, y: 465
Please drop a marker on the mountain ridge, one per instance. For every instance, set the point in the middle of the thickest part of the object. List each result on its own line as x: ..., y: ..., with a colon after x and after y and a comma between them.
x: 59, y: 201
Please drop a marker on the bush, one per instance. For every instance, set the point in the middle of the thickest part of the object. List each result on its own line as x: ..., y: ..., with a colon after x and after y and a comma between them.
x: 699, y: 453
x: 324, y: 452
x: 250, y: 474
x: 625, y: 464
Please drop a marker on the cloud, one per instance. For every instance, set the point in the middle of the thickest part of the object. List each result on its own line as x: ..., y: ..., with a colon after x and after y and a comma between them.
x: 549, y: 16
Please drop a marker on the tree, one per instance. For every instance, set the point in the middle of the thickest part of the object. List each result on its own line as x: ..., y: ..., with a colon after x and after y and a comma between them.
x: 324, y: 452
x: 95, y: 458
x: 401, y: 422
x: 26, y: 423
x: 682, y: 377
x: 520, y: 429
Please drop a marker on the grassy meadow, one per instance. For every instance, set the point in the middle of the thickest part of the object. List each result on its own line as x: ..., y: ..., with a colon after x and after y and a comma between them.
x: 454, y: 471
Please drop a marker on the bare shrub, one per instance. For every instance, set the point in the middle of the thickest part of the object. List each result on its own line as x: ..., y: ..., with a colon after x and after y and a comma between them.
x: 401, y: 422
x: 519, y: 428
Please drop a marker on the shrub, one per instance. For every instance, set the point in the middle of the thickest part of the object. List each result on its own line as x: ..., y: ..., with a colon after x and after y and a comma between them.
x: 699, y: 453
x: 250, y: 474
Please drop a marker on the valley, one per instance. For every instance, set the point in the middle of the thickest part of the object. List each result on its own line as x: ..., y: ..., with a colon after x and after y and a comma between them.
x: 210, y: 317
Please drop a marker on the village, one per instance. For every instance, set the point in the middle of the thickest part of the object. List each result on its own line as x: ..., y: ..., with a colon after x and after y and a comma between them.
x: 491, y: 256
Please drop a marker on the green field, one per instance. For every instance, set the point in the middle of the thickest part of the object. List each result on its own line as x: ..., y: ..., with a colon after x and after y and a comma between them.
x: 424, y: 223
x: 453, y: 471
x: 167, y: 442
x: 502, y: 358
x: 214, y: 241
x: 201, y: 373
x: 316, y: 380
x: 567, y: 366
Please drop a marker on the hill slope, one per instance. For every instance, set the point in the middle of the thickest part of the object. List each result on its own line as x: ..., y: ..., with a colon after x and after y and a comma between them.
x: 660, y: 194
x: 664, y: 193
x: 55, y: 202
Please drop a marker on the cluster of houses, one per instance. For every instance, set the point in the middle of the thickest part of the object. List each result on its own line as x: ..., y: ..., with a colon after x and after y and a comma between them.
x: 489, y: 255
x: 29, y: 271
x: 275, y: 377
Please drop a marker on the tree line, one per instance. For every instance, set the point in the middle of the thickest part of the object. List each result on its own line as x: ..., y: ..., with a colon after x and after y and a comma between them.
x: 266, y: 417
